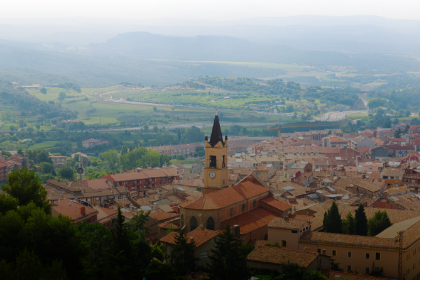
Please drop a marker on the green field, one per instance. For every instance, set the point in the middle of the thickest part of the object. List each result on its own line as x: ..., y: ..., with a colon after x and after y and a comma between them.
x: 53, y: 92
x: 357, y: 115
x: 286, y: 67
x: 45, y: 144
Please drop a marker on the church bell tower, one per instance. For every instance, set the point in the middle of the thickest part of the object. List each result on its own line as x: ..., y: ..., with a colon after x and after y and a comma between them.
x: 216, y: 159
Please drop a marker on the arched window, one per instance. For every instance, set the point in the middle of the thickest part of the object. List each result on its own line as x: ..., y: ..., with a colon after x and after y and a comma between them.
x: 193, y: 223
x: 243, y: 208
x: 210, y: 224
x: 254, y: 204
x: 182, y: 220
x: 232, y: 212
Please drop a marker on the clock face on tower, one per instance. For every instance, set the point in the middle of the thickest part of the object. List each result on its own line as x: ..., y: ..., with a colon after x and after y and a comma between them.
x: 212, y: 175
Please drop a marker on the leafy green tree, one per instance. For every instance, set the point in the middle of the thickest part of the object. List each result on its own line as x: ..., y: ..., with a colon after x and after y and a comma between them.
x: 398, y: 133
x: 169, y: 230
x: 227, y: 259
x: 98, y: 240
x: 137, y: 224
x: 158, y: 251
x: 23, y: 185
x: 43, y: 91
x: 155, y: 129
x: 29, y: 267
x: 47, y: 167
x: 146, y: 127
x: 38, y: 126
x: 123, y: 150
x: 32, y: 228
x: 379, y: 222
x: 332, y: 222
x: 349, y: 224
x: 62, y: 96
x: 161, y: 271
x: 111, y: 157
x: 66, y: 173
x: 20, y: 152
x: 292, y: 271
x: 43, y: 156
x: 123, y: 261
x: 360, y: 221
x: 8, y: 203
x: 182, y: 255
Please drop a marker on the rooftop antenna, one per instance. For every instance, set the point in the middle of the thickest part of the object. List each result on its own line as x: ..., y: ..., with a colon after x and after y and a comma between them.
x: 216, y: 113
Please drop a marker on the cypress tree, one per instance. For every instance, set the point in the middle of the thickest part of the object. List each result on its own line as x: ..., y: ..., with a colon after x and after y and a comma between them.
x: 332, y: 221
x: 182, y: 255
x: 228, y: 260
x: 360, y: 221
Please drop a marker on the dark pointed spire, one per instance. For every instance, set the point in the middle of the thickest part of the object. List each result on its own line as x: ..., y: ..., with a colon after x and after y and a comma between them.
x: 216, y: 135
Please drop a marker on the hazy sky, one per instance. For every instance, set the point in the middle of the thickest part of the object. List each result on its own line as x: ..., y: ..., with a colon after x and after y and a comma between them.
x: 206, y: 9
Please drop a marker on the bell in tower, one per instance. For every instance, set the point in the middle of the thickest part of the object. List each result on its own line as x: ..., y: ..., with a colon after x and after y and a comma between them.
x: 216, y: 157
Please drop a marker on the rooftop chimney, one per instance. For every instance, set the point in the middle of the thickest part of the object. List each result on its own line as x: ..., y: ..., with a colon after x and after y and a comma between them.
x: 192, y: 240
x: 237, y: 231
x: 82, y: 210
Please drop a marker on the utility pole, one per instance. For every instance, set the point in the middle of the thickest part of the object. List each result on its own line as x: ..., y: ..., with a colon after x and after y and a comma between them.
x: 400, y: 240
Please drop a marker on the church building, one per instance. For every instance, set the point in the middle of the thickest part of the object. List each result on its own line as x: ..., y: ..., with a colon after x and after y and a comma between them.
x: 249, y: 203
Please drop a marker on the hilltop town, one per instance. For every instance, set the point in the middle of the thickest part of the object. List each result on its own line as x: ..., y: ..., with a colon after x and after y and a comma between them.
x: 275, y: 194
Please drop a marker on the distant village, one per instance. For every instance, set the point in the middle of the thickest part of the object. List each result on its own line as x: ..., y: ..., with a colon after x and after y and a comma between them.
x: 273, y: 192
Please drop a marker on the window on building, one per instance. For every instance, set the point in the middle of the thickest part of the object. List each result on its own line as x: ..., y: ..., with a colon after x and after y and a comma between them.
x: 254, y: 204
x: 367, y: 256
x: 223, y: 161
x: 349, y: 254
x: 284, y: 243
x: 193, y: 223
x: 349, y: 268
x: 294, y: 231
x: 243, y: 208
x: 377, y: 256
x: 333, y: 252
x: 367, y: 270
x: 203, y: 255
x: 182, y: 220
x: 319, y: 251
x: 210, y: 223
x: 232, y: 212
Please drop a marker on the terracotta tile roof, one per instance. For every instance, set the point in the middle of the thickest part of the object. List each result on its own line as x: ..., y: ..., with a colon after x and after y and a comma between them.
x: 276, y: 255
x: 105, y: 214
x: 200, y: 236
x: 174, y: 222
x: 162, y: 216
x: 363, y: 149
x: 276, y: 203
x: 287, y: 223
x: 251, y: 220
x: 393, y: 172
x: 334, y: 238
x: 97, y: 184
x: 227, y: 196
x: 367, y: 184
x: 391, y: 231
x: 144, y: 174
x: 192, y: 182
x: 91, y: 140
x: 72, y: 209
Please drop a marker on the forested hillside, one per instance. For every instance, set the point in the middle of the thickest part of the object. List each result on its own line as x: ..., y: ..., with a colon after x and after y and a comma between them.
x: 18, y: 99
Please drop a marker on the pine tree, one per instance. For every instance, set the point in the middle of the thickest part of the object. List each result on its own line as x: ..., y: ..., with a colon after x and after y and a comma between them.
x: 227, y: 259
x: 360, y: 221
x: 332, y: 221
x: 182, y: 255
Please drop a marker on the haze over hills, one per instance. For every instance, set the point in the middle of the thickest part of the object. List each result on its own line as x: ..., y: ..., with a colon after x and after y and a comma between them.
x: 349, y: 34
